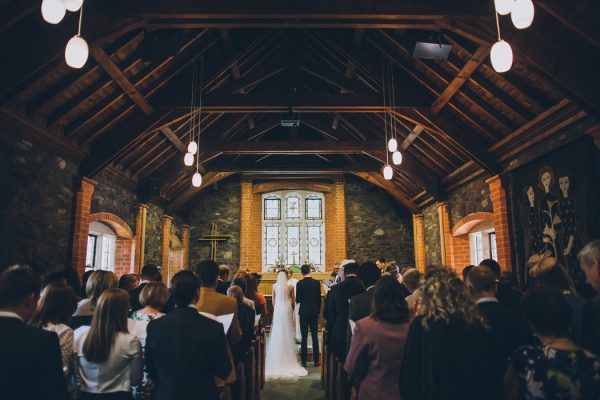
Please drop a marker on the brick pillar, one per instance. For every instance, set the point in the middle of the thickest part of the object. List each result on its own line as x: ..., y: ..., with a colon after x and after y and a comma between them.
x: 335, y: 224
x: 185, y: 245
x: 250, y: 245
x: 166, y: 241
x: 140, y: 235
x: 445, y: 234
x: 500, y: 204
x: 81, y: 223
x: 419, y: 240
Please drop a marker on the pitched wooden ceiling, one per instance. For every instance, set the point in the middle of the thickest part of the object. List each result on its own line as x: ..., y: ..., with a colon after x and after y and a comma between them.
x: 128, y: 117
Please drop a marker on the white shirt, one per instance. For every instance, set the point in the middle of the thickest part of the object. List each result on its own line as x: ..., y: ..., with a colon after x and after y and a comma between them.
x: 118, y: 373
x: 10, y: 314
x: 84, y: 308
x: 486, y: 300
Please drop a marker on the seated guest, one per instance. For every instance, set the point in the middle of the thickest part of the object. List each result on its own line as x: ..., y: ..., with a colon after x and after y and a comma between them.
x: 241, y: 282
x: 246, y: 317
x: 108, y: 359
x: 150, y: 273
x: 375, y: 354
x: 448, y: 354
x: 98, y: 282
x: 30, y: 362
x: 508, y: 331
x: 507, y: 296
x: 127, y: 282
x: 55, y: 307
x: 260, y: 303
x: 223, y: 280
x: 412, y: 282
x: 589, y: 258
x: 184, y: 349
x: 557, y: 368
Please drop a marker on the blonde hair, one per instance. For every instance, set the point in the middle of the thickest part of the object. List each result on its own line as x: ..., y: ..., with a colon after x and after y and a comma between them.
x: 98, y: 282
x: 444, y: 297
x: 154, y: 294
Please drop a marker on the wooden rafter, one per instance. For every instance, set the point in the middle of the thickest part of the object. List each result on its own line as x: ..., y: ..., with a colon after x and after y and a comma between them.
x: 396, y: 192
x: 188, y: 194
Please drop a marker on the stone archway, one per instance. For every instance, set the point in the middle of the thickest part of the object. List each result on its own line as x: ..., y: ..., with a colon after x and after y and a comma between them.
x: 460, y: 240
x: 125, y: 243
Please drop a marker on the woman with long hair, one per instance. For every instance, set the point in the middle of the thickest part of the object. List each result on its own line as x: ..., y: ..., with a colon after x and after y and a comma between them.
x: 377, y: 345
x: 55, y: 306
x: 260, y: 303
x: 97, y: 283
x: 448, y: 353
x: 108, y: 357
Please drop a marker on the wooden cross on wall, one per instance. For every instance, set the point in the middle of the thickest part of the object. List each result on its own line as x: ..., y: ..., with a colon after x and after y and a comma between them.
x: 214, y: 238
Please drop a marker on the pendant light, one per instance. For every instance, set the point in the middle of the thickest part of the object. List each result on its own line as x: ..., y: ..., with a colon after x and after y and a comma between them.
x: 522, y: 14
x: 501, y: 54
x: 397, y: 158
x: 197, y: 180
x: 73, y: 5
x: 188, y: 159
x: 77, y: 50
x: 193, y: 147
x: 504, y: 7
x: 197, y: 177
x: 53, y: 11
x: 392, y: 145
x: 388, y: 172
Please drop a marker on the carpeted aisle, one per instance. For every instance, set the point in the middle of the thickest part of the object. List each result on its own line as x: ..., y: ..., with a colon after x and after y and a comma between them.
x: 306, y: 388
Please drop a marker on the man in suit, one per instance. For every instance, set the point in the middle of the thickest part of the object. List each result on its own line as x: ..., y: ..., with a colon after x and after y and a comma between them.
x: 149, y: 274
x: 223, y: 280
x: 186, y: 350
x: 507, y: 296
x: 31, y: 365
x: 507, y: 329
x: 361, y: 305
x: 339, y: 308
x: 246, y: 318
x: 218, y: 304
x: 589, y: 259
x: 308, y: 295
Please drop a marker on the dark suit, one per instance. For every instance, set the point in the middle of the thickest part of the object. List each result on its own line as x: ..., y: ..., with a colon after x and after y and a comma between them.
x: 591, y: 325
x: 222, y: 287
x: 338, y: 313
x: 184, y: 352
x: 308, y: 295
x: 30, y: 363
x: 246, y: 316
x: 134, y: 297
x: 509, y: 298
x: 360, y: 307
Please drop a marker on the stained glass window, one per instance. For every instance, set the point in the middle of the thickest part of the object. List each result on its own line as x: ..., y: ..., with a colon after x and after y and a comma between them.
x: 272, y: 208
x: 313, y: 207
x: 271, y: 244
x: 293, y: 244
x: 293, y: 207
x: 313, y: 234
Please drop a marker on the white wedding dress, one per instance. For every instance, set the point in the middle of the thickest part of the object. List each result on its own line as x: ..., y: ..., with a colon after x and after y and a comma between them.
x: 282, y: 360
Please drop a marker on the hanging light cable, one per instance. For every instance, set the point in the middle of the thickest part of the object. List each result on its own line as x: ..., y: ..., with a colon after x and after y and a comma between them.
x: 192, y: 145
x: 392, y: 143
x: 77, y: 50
x: 197, y: 178
x: 388, y: 172
x: 396, y: 155
x: 188, y: 159
x: 501, y: 54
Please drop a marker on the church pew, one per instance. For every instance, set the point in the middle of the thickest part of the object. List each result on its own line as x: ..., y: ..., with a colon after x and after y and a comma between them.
x: 332, y: 381
x: 262, y: 359
x: 239, y: 389
x: 324, y: 360
x: 250, y: 369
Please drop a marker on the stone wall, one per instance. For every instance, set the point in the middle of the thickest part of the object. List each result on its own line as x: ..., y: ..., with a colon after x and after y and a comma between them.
x: 376, y: 227
x: 470, y: 198
x: 433, y: 251
x: 36, y: 204
x: 114, y: 199
x: 219, y: 204
x: 153, y: 246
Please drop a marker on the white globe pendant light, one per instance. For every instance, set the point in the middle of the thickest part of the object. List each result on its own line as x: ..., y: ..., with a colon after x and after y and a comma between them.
x: 504, y: 7
x: 392, y: 145
x: 53, y: 11
x: 193, y: 147
x: 397, y: 158
x: 188, y: 159
x: 197, y: 179
x: 73, y: 5
x: 522, y: 14
x: 76, y: 52
x: 501, y: 56
x: 388, y: 172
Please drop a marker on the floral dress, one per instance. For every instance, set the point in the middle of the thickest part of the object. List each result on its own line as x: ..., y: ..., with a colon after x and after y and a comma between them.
x: 547, y: 373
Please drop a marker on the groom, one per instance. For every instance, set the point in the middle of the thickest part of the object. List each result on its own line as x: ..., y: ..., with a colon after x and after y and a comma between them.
x: 308, y: 295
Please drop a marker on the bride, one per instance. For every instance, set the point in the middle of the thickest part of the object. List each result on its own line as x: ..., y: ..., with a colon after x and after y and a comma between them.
x: 282, y: 359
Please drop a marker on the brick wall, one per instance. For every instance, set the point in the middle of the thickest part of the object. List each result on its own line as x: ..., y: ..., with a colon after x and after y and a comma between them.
x: 460, y: 238
x: 501, y: 224
x: 419, y: 241
x: 81, y: 223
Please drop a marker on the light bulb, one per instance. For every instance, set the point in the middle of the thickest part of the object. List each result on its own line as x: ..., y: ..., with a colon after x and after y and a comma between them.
x: 73, y: 5
x: 388, y: 172
x: 504, y: 7
x: 397, y: 158
x: 76, y: 53
x: 522, y: 14
x: 197, y: 179
x: 53, y: 11
x: 188, y: 159
x: 392, y: 145
x: 501, y: 56
x: 193, y: 147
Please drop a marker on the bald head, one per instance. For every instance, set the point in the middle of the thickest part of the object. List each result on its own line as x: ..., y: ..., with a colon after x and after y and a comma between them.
x: 236, y: 293
x: 481, y: 282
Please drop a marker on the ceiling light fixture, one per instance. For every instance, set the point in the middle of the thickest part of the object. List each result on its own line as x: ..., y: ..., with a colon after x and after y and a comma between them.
x: 197, y: 178
x: 522, y: 14
x: 73, y: 5
x: 387, y: 171
x: 504, y: 7
x: 501, y: 54
x: 53, y: 11
x: 77, y: 50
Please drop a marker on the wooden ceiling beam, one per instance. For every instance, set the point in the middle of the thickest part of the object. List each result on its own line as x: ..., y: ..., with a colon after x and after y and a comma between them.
x: 290, y: 147
x: 565, y: 17
x: 297, y: 23
x: 191, y: 192
x: 349, y: 69
x: 377, y: 179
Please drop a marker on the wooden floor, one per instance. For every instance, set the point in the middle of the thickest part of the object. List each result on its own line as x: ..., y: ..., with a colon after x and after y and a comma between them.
x: 306, y: 388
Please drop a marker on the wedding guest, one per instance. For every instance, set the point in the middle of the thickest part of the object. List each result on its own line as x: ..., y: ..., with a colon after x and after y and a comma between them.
x: 108, y: 357
x: 55, y: 306
x: 84, y: 278
x: 507, y: 296
x: 30, y: 366
x: 557, y: 368
x: 152, y: 298
x: 127, y: 282
x: 375, y: 354
x: 150, y: 273
x: 241, y: 282
x: 465, y: 271
x: 361, y: 305
x: 246, y: 318
x: 589, y: 258
x: 253, y: 294
x: 98, y: 282
x: 448, y: 353
x: 412, y: 282
x: 223, y: 280
x: 186, y: 350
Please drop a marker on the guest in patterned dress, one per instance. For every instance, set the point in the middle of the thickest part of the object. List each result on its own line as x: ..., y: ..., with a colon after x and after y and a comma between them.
x: 557, y: 368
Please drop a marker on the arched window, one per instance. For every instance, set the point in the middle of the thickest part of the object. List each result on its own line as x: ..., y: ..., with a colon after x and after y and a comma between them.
x: 295, y: 234
x: 101, y: 247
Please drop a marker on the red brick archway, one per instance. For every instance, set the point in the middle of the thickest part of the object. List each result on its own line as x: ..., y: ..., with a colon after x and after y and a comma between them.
x: 460, y: 240
x: 125, y: 248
